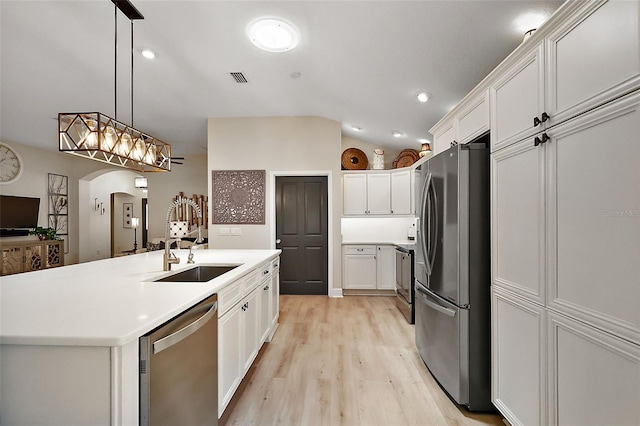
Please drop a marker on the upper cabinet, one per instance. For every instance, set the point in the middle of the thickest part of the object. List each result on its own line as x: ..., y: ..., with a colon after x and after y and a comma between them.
x: 470, y: 121
x: 586, y: 61
x: 473, y: 119
x: 444, y: 137
x: 366, y: 193
x: 517, y: 101
x: 592, y: 58
x: 377, y: 193
x: 401, y: 192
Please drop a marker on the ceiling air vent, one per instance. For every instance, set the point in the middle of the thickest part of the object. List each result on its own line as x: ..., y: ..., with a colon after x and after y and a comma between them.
x: 239, y: 77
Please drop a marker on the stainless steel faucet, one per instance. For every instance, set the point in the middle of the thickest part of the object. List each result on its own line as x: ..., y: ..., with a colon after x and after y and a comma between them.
x: 169, y: 258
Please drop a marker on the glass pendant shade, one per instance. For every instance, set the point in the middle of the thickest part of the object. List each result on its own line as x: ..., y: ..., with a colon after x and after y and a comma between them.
x: 99, y: 137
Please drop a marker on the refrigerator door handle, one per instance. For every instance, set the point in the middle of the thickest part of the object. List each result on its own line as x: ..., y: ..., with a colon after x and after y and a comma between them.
x: 424, y: 224
x: 433, y: 236
x: 424, y: 296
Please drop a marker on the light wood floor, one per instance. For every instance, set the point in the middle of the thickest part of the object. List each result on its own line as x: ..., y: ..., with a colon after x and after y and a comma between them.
x: 349, y: 361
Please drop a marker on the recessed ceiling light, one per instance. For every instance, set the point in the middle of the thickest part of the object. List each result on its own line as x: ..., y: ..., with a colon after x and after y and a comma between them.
x: 529, y: 21
x: 423, y: 96
x: 273, y: 34
x: 148, y: 53
x: 397, y: 134
x: 424, y: 141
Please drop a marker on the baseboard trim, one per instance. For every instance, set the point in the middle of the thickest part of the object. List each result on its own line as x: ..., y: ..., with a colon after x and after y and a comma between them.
x: 335, y: 292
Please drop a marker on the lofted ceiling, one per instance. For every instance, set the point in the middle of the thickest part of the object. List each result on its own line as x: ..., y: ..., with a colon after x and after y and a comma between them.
x: 360, y: 63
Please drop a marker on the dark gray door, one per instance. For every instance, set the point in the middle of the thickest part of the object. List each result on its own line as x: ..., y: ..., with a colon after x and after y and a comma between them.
x: 302, y: 232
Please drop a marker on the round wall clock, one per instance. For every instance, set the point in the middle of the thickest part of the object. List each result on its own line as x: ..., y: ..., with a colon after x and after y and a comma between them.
x: 10, y: 164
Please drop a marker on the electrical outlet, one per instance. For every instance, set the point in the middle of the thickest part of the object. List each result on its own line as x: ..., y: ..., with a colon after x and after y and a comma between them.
x: 236, y: 231
x: 223, y: 231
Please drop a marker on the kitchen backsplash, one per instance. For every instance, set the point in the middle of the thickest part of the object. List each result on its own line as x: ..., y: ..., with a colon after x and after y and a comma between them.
x: 369, y: 229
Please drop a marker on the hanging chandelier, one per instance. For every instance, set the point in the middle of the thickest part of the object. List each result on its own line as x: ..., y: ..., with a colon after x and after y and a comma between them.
x: 99, y: 137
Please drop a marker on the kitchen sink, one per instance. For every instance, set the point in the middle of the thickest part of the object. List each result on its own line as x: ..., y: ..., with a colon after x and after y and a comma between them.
x: 198, y: 274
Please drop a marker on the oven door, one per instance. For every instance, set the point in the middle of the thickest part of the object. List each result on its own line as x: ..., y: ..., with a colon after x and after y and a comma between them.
x: 403, y: 275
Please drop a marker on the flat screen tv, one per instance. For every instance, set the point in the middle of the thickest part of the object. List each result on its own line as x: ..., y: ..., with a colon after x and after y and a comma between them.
x: 18, y: 212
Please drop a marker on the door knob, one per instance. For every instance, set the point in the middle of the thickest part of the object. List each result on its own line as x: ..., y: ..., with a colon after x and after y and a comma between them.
x: 278, y: 241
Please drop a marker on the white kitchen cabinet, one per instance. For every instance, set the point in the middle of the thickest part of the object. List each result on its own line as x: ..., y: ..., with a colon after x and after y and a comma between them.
x: 366, y: 193
x: 401, y: 191
x: 354, y: 193
x: 359, y: 271
x: 250, y: 329
x: 594, y: 217
x: 274, y: 293
x: 518, y: 358
x: 578, y: 183
x: 443, y: 138
x: 518, y: 219
x: 594, y: 377
x: 386, y: 267
x: 473, y: 119
x: 229, y: 355
x: 264, y: 297
x: 517, y: 99
x: 592, y: 58
x: 241, y: 327
x: 378, y: 193
x: 368, y: 267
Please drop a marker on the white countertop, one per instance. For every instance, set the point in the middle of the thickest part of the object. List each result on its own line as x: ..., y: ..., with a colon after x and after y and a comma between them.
x: 108, y: 302
x: 401, y: 243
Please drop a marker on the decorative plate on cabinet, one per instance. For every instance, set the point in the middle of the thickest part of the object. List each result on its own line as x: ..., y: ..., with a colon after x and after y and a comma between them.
x: 354, y: 159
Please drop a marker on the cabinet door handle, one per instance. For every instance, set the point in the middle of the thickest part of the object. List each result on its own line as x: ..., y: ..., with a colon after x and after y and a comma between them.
x: 544, y: 117
x: 266, y: 288
x: 537, y: 141
x: 536, y: 121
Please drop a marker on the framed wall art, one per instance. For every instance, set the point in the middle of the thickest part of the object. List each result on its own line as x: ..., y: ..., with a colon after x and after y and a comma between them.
x: 238, y: 197
x: 127, y: 214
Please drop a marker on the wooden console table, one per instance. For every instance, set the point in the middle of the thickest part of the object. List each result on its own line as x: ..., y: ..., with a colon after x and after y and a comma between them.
x: 20, y: 255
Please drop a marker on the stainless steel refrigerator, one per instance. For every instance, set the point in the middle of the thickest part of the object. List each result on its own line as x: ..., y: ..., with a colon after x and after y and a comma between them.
x: 452, y: 267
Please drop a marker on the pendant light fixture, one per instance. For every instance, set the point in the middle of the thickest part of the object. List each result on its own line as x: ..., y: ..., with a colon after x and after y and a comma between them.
x: 99, y: 137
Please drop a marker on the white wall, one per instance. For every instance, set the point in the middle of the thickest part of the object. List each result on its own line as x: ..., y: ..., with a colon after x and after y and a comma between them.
x: 390, y: 154
x: 376, y: 229
x: 277, y: 144
x: 33, y: 183
x: 190, y: 178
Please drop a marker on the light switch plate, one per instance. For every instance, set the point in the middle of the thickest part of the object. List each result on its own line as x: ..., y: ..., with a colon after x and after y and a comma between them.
x: 236, y: 231
x: 223, y: 231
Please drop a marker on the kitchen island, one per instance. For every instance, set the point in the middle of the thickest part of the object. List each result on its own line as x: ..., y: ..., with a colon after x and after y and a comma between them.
x: 69, y: 336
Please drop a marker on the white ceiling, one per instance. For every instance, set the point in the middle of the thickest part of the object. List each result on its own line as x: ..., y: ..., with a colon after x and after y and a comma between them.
x: 362, y: 63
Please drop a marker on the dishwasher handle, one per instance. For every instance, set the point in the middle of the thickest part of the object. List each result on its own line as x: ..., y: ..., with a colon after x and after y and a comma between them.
x: 183, y: 333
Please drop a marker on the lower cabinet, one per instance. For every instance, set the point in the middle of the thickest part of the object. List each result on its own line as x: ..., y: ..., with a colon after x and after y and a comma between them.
x: 549, y: 369
x: 368, y: 267
x: 518, y: 358
x: 594, y: 377
x: 243, y: 328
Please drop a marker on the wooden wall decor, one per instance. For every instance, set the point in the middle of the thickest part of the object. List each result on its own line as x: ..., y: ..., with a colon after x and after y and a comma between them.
x: 186, y: 213
x: 238, y: 196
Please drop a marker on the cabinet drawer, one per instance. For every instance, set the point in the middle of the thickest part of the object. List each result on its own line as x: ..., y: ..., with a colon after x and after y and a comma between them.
x: 229, y: 296
x: 359, y: 249
x: 264, y: 272
x: 250, y: 281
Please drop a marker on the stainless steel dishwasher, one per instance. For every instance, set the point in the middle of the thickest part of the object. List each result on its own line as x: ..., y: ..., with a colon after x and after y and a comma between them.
x: 179, y: 369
